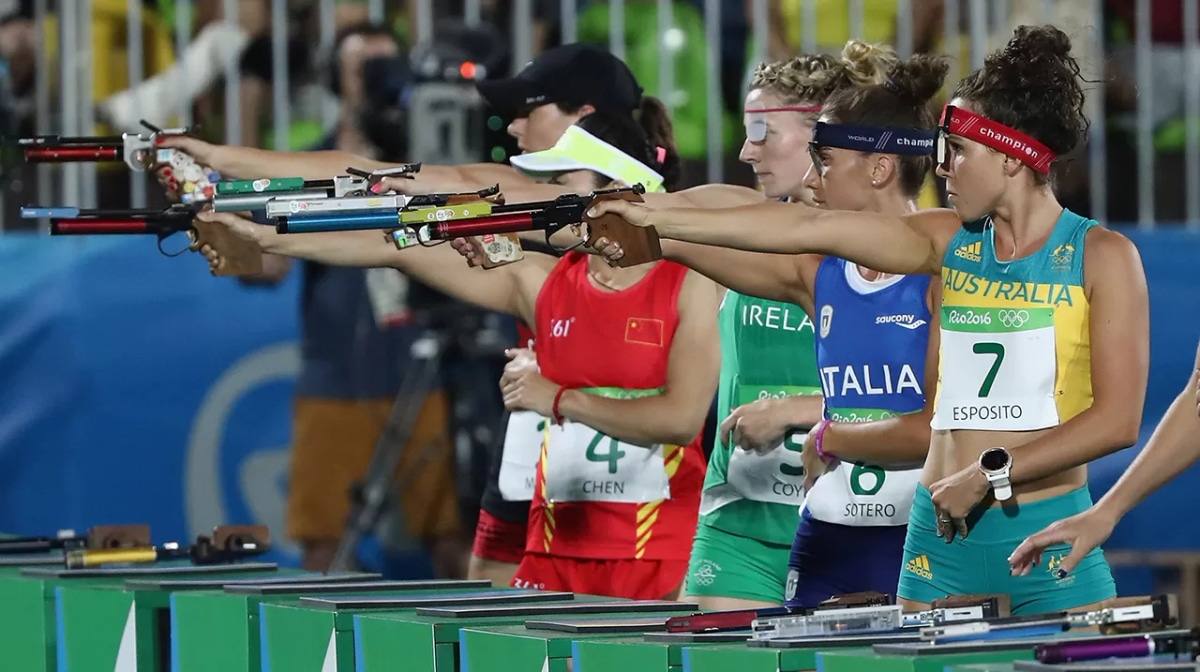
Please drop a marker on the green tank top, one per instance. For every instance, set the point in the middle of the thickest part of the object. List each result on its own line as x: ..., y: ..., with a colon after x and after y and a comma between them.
x: 766, y: 352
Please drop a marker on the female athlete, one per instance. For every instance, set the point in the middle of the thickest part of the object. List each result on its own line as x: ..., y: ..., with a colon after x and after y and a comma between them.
x: 628, y: 366
x: 566, y: 84
x: 1043, y: 365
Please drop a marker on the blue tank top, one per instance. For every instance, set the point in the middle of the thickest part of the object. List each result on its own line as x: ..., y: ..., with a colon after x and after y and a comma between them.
x: 871, y: 343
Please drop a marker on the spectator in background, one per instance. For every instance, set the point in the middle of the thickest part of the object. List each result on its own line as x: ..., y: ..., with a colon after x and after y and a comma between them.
x: 355, y: 342
x: 833, y: 25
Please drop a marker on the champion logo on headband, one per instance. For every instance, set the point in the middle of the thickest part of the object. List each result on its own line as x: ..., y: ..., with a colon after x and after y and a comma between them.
x: 910, y: 141
x: 993, y: 134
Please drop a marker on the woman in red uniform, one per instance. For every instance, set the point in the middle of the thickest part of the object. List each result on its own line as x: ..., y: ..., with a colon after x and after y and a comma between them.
x: 628, y: 368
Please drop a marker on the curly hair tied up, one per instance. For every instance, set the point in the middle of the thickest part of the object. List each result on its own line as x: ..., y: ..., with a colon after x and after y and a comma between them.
x: 1033, y: 85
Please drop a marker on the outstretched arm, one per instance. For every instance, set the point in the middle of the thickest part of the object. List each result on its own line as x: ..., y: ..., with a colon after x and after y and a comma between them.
x: 770, y: 276
x: 250, y: 163
x: 904, y: 438
x: 511, y: 289
x: 677, y: 415
x: 1174, y: 446
x: 907, y: 244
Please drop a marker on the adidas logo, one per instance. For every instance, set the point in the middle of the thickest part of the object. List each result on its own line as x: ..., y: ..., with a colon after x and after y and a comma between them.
x: 970, y: 252
x: 920, y: 566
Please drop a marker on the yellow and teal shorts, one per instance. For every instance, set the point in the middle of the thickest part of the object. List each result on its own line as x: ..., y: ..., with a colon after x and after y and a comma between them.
x: 933, y: 569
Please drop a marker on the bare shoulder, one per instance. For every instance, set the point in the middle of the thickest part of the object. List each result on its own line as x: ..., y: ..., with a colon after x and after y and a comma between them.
x: 938, y: 224
x: 1112, y: 257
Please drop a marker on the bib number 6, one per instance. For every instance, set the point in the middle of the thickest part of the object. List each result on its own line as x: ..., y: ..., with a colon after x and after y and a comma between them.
x: 863, y: 486
x: 612, y: 456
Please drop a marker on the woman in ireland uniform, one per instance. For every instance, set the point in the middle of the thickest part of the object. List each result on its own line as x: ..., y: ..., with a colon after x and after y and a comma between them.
x: 870, y: 151
x: 1043, y: 356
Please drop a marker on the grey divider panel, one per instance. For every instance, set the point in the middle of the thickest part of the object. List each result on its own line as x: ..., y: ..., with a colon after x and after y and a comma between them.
x: 200, y: 584
x: 30, y: 560
x: 339, y: 602
x: 697, y: 637
x: 632, y: 625
x: 836, y: 641
x: 259, y: 588
x: 614, y: 607
x: 47, y: 573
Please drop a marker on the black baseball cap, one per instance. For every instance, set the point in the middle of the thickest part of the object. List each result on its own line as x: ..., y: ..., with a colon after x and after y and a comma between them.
x: 573, y: 74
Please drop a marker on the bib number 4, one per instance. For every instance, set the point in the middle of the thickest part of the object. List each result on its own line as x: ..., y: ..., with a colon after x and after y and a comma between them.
x: 584, y: 465
x: 611, y: 455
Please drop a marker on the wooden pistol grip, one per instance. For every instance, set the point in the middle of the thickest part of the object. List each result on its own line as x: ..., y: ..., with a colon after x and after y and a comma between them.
x: 639, y: 244
x: 226, y: 536
x: 1003, y: 602
x: 118, y: 536
x: 238, y: 256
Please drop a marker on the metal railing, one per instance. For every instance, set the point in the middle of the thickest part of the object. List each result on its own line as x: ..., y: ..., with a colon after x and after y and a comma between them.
x: 984, y: 24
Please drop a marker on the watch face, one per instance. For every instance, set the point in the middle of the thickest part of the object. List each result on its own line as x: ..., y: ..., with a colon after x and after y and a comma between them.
x: 994, y: 460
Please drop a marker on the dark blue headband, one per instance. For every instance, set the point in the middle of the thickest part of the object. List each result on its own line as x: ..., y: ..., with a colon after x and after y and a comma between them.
x: 874, y: 139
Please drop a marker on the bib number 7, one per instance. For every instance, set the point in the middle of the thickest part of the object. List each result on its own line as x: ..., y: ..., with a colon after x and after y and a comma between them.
x: 997, y: 351
x: 612, y: 456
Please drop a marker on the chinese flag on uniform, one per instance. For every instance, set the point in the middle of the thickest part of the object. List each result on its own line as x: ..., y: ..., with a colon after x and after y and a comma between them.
x: 645, y: 330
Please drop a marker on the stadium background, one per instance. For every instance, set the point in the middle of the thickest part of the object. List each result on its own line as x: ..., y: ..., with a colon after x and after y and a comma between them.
x: 137, y: 388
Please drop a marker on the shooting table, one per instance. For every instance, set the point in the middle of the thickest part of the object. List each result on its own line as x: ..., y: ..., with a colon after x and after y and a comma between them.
x: 549, y: 643
x: 651, y: 652
x: 132, y: 621
x: 781, y: 655
x: 428, y: 640
x: 219, y: 629
x: 30, y: 622
x: 317, y: 632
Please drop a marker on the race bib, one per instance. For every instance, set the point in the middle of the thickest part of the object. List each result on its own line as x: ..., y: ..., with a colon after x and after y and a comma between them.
x: 584, y: 465
x: 520, y: 453
x: 998, y: 369
x: 863, y: 495
x: 860, y: 494
x: 776, y: 477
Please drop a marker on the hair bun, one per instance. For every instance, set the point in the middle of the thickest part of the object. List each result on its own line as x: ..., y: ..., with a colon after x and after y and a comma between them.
x: 866, y: 64
x: 1035, y: 57
x: 917, y: 80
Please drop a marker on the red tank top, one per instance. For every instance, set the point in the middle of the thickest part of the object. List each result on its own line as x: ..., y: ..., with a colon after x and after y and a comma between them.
x: 592, y: 338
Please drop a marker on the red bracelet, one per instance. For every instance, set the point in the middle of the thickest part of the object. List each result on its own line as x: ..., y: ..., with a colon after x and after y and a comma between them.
x: 558, y: 418
x: 819, y: 440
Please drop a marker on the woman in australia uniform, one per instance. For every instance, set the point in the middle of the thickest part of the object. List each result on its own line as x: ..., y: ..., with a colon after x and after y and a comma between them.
x: 1044, y: 328
x: 628, y: 367
x: 870, y: 152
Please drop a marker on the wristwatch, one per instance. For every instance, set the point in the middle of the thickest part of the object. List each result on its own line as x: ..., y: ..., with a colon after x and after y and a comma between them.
x: 996, y: 463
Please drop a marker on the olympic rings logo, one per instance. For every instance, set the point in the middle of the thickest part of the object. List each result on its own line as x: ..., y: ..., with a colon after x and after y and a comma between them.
x: 1013, y: 319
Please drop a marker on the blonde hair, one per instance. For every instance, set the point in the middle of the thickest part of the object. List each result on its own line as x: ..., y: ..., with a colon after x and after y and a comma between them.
x: 812, y: 78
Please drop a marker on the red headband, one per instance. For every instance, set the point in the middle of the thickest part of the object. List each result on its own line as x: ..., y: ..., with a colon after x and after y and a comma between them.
x: 1007, y: 141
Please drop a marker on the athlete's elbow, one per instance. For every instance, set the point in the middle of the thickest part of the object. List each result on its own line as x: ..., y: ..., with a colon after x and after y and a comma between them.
x: 1123, y: 425
x: 684, y: 428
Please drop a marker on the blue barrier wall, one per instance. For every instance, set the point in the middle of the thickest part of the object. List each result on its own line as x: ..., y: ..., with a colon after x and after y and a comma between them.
x: 137, y: 388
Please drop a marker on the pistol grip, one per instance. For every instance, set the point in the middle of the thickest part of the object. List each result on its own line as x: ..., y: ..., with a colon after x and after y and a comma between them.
x: 238, y: 257
x: 639, y: 244
x: 118, y: 536
x: 495, y: 250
